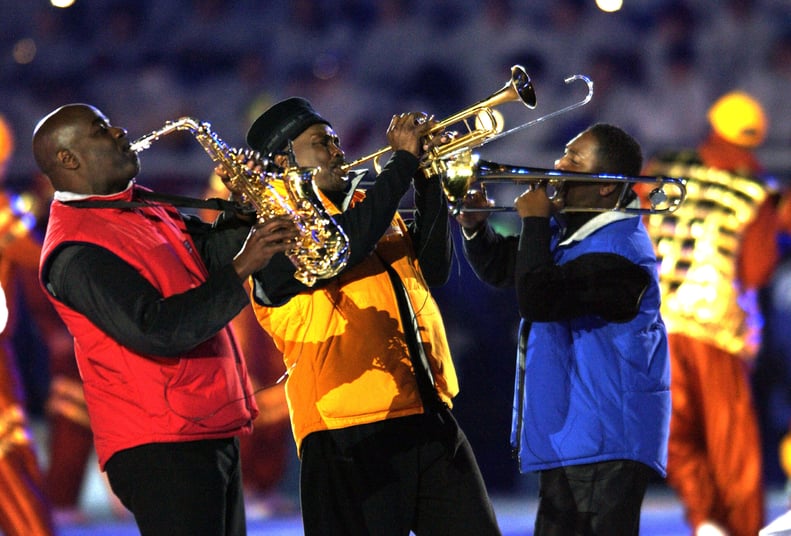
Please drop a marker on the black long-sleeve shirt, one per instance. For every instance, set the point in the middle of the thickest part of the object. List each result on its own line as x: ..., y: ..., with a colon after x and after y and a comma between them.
x: 602, y: 284
x: 366, y: 222
x: 122, y: 303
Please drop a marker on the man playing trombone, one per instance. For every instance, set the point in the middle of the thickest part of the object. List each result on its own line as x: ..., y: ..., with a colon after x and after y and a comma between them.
x: 592, y: 389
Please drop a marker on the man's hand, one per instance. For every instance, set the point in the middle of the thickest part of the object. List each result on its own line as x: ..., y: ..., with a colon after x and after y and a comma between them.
x: 246, y: 159
x: 472, y: 221
x: 534, y: 202
x: 407, y: 132
x: 438, y: 139
x: 263, y: 242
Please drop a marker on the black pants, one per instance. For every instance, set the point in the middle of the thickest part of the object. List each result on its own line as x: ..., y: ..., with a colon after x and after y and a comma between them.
x: 592, y: 499
x: 192, y: 488
x: 384, y: 479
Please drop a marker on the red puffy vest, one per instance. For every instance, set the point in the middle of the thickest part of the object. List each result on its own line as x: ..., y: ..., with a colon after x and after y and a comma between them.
x: 135, y: 399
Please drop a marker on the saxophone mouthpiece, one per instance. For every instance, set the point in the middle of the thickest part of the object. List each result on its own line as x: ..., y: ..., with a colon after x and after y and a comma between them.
x: 139, y: 146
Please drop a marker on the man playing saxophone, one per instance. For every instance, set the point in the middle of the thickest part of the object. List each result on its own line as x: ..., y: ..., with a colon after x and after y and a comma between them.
x: 147, y: 295
x: 371, y: 378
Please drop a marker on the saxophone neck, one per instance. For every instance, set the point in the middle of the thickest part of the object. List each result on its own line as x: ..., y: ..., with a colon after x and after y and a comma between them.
x: 184, y: 123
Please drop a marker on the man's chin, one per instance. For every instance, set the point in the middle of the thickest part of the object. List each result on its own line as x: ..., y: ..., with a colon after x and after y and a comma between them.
x: 333, y: 182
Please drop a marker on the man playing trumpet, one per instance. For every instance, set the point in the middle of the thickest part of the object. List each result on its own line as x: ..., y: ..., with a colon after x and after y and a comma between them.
x: 371, y: 377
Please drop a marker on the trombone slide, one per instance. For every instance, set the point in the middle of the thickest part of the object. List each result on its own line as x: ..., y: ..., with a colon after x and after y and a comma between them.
x: 466, y: 170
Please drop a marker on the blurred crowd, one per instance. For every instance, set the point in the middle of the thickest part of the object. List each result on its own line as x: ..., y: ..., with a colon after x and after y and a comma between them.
x: 656, y: 65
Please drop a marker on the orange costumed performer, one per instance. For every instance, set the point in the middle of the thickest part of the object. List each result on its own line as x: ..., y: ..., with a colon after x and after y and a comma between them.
x: 716, y: 251
x: 23, y: 508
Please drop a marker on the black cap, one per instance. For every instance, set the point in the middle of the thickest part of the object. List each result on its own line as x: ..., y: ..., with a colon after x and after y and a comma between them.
x: 282, y: 122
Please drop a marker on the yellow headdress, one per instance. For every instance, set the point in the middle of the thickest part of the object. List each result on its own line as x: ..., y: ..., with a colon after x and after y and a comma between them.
x: 739, y: 118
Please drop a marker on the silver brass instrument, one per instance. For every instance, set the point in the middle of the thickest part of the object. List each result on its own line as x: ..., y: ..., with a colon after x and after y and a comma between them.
x: 485, y: 123
x: 322, y: 248
x: 466, y: 169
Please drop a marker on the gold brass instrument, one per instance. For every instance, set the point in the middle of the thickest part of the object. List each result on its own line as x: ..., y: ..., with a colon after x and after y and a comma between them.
x: 583, y: 102
x: 466, y: 169
x: 481, y: 114
x: 322, y: 248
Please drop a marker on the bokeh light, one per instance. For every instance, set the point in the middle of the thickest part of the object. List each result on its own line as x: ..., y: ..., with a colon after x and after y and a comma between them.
x: 609, y: 6
x: 24, y: 51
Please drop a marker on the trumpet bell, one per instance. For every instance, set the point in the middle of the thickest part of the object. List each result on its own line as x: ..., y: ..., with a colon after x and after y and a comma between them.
x: 523, y: 86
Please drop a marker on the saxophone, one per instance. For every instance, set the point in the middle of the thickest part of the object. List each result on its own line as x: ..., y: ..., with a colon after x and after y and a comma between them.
x: 321, y: 250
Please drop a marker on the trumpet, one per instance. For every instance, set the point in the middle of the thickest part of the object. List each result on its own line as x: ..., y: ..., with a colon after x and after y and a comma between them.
x: 486, y: 127
x: 467, y: 169
x: 568, y: 80
x: 485, y: 123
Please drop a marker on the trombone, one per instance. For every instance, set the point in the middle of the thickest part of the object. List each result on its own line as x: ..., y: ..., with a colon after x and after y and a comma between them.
x: 466, y: 169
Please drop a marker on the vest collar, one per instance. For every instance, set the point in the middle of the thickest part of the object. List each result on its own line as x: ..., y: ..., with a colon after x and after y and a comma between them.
x: 599, y: 221
x: 123, y: 195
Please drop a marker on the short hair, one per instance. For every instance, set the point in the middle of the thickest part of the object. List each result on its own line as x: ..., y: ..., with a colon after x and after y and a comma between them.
x: 618, y: 151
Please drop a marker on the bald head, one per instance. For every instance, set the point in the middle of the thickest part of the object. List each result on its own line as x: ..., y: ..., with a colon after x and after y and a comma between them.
x: 77, y: 148
x: 53, y: 133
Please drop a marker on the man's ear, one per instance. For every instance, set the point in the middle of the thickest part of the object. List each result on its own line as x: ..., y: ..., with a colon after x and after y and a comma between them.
x: 67, y: 159
x: 607, y: 188
x: 280, y: 160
